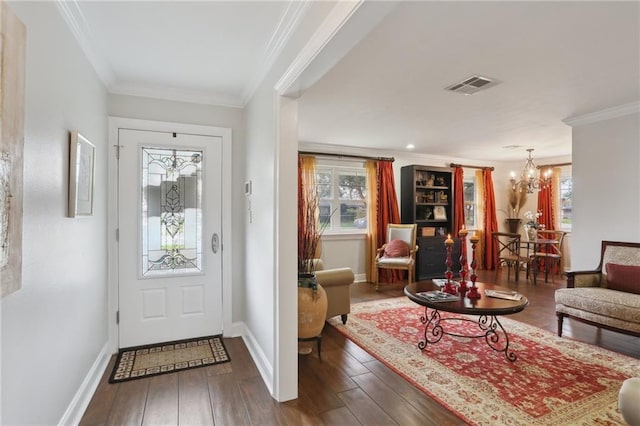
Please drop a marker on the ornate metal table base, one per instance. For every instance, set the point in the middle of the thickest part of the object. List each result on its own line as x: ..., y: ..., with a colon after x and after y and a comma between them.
x: 488, y: 325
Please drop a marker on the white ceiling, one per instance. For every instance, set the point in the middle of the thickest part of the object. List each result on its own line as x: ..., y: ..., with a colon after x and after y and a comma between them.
x: 554, y: 60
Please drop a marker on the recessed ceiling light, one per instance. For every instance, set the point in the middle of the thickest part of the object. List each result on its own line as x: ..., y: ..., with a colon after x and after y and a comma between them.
x: 410, y: 146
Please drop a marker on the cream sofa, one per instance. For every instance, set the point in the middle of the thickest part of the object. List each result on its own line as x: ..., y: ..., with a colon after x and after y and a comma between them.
x: 589, y: 297
x: 337, y: 285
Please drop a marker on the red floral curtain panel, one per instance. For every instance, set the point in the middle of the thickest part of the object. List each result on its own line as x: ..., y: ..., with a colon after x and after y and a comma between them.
x: 387, y: 212
x: 490, y: 222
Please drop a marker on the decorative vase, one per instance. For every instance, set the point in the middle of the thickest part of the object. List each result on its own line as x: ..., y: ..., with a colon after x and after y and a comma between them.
x: 628, y: 400
x: 513, y: 224
x: 312, y: 306
x: 532, y: 233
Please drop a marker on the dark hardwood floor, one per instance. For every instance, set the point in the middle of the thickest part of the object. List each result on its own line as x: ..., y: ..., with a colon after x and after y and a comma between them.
x: 348, y: 387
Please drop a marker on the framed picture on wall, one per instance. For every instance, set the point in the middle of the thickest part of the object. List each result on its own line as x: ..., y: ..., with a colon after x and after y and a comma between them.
x: 439, y: 213
x: 82, y: 155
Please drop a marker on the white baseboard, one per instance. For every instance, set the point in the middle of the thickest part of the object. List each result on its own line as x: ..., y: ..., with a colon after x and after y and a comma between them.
x: 81, y: 399
x: 237, y: 328
x: 360, y: 278
x: 264, y: 367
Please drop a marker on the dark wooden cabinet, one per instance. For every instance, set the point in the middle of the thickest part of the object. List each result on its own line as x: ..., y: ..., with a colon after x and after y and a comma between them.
x: 432, y: 257
x: 426, y: 199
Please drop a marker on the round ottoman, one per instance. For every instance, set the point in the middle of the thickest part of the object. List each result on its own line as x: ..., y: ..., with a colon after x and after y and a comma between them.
x: 629, y: 401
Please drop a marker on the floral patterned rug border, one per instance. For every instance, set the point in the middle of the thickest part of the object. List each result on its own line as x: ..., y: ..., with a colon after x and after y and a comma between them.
x: 168, y: 357
x: 554, y: 380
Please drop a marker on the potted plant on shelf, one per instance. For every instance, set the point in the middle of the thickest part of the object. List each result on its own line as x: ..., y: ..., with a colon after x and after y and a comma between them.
x: 517, y: 198
x: 312, y: 299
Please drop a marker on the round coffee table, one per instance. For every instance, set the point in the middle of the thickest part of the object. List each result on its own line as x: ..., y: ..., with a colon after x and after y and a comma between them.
x: 486, y: 308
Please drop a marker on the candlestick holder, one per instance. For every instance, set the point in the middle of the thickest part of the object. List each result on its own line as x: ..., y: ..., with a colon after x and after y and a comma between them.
x: 462, y: 288
x: 449, y: 287
x: 473, y: 290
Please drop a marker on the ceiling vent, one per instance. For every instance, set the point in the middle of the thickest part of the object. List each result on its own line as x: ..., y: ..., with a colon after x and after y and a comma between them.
x: 471, y: 85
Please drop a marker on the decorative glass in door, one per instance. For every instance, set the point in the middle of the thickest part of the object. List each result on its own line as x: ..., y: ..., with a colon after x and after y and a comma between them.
x: 171, y: 212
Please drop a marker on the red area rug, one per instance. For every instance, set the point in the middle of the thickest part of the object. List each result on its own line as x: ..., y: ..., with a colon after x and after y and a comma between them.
x: 554, y: 381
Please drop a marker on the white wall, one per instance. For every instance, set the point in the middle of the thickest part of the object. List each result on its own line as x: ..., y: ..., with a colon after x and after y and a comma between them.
x: 206, y: 115
x: 54, y: 328
x: 606, y: 183
x: 345, y: 251
x: 271, y: 227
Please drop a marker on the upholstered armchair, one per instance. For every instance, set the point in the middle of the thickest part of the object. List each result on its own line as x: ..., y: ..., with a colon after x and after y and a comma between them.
x: 399, y: 253
x: 337, y: 284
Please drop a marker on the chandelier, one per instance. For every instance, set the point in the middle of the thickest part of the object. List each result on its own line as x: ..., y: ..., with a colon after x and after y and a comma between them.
x: 529, y: 179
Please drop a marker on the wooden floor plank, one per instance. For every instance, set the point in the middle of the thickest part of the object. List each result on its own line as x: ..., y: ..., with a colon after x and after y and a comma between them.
x: 339, y: 416
x: 431, y: 411
x: 344, y: 361
x: 98, y: 410
x: 333, y: 377
x: 227, y: 401
x: 321, y: 396
x: 239, y: 355
x: 365, y: 409
x: 129, y: 403
x: 335, y: 340
x: 391, y: 402
x: 194, y: 402
x: 262, y: 409
x: 299, y: 412
x: 162, y: 401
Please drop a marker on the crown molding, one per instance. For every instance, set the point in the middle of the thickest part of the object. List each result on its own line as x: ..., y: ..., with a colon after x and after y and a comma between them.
x: 177, y: 94
x: 605, y: 114
x: 289, y: 21
x: 336, y: 18
x: 71, y: 12
x: 77, y: 24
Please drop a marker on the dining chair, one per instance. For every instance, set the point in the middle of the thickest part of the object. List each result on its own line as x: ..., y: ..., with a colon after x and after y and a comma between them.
x: 399, y: 253
x: 507, y: 248
x: 549, y: 255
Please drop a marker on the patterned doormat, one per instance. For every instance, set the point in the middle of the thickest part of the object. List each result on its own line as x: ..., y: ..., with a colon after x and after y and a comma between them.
x: 161, y: 358
x: 554, y: 381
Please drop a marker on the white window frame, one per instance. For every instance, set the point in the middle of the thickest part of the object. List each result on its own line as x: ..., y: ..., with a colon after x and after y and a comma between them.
x: 337, y: 167
x: 564, y: 174
x: 475, y: 202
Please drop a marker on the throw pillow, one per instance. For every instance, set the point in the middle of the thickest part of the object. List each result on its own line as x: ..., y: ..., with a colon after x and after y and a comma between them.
x: 623, y: 277
x: 396, y: 248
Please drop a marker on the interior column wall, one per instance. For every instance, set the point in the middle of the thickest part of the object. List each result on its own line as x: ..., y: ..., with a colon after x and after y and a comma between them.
x: 606, y: 186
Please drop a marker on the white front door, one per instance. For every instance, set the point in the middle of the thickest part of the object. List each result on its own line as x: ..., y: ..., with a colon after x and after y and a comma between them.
x: 169, y: 220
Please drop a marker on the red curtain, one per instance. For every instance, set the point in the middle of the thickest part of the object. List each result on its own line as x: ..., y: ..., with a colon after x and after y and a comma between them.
x: 458, y: 196
x: 387, y: 211
x: 458, y: 205
x: 545, y: 206
x: 491, y: 222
